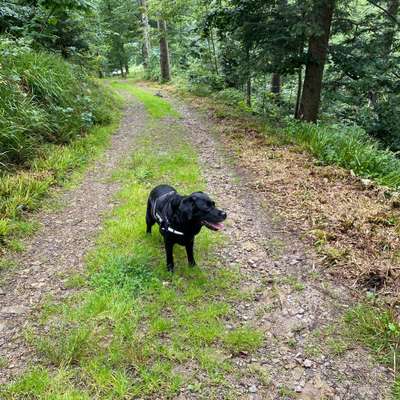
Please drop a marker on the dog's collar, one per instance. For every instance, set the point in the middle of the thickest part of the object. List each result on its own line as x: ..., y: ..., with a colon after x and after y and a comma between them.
x: 165, y: 226
x: 169, y: 229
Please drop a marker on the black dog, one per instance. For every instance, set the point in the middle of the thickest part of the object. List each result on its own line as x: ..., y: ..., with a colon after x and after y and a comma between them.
x: 181, y: 218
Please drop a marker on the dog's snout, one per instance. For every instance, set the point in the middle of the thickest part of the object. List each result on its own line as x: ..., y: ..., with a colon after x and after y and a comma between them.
x: 223, y: 214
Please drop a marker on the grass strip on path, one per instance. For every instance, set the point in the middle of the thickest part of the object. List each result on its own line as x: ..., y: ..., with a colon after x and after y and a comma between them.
x: 133, y: 329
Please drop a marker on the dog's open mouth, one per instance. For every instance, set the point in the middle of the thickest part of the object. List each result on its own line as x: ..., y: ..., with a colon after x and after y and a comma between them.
x: 214, y: 226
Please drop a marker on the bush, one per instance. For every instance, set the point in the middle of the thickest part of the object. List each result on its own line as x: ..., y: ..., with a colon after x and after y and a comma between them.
x: 202, y: 81
x: 230, y: 96
x: 43, y: 99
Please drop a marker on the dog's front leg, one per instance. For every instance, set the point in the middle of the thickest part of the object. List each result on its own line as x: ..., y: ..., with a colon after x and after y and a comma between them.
x: 189, y: 252
x: 169, y: 247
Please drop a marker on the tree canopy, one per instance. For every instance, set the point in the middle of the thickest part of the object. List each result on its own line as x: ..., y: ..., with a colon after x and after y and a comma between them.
x: 314, y: 59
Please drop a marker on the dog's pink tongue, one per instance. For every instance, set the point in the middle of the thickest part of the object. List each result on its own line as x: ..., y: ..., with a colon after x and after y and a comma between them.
x: 219, y: 226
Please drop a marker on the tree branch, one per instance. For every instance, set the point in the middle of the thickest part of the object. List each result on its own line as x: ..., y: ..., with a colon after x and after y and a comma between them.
x: 388, y: 14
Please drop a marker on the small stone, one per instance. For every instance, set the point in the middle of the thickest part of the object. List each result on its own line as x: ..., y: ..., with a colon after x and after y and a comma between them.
x: 298, y: 389
x: 367, y: 183
x: 307, y: 363
x: 253, y: 389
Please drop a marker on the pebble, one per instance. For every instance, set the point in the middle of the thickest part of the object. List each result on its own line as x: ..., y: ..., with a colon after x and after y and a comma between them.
x: 307, y: 363
x: 253, y: 389
x: 298, y: 389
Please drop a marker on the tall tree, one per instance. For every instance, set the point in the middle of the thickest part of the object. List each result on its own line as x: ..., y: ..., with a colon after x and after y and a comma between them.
x: 316, y: 58
x: 146, y: 33
x: 164, y: 51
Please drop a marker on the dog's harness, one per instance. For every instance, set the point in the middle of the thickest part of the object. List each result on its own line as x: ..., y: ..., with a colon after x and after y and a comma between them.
x: 164, y: 223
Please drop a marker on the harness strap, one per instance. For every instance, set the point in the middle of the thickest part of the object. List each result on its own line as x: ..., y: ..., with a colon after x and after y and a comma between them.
x: 159, y: 218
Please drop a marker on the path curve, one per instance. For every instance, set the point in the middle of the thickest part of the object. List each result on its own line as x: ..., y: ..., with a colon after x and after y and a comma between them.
x: 60, y: 246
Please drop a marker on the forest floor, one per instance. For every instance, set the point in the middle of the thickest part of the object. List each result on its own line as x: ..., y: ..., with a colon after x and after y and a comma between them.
x: 259, y: 318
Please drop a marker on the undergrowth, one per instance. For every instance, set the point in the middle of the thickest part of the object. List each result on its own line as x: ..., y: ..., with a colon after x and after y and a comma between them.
x: 44, y: 99
x: 135, y: 330
x: 348, y: 147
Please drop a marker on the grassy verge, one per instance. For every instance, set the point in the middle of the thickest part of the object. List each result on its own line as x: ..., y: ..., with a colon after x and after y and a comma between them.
x: 348, y: 147
x: 377, y: 328
x: 133, y: 330
x: 23, y: 191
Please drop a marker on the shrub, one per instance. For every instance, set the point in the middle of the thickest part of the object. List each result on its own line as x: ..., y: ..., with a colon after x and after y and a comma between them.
x: 230, y: 96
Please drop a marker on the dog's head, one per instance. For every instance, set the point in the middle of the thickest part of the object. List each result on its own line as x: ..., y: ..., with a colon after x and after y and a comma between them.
x: 199, y: 207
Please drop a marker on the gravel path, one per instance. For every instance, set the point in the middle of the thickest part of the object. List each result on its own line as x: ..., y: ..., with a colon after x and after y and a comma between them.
x: 60, y: 246
x: 292, y: 301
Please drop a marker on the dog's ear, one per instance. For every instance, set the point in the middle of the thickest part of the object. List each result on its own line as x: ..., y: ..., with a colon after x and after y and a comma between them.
x: 186, y: 207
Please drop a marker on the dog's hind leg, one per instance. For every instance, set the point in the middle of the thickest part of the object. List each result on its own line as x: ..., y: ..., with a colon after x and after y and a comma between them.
x: 150, y: 221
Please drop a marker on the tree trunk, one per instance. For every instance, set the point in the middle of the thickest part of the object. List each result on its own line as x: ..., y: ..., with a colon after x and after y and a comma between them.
x: 392, y: 27
x: 298, y: 97
x: 248, y: 91
x: 316, y: 57
x: 248, y: 81
x: 214, y: 52
x: 126, y: 69
x: 121, y: 67
x: 276, y: 84
x: 164, y: 52
x: 146, y: 34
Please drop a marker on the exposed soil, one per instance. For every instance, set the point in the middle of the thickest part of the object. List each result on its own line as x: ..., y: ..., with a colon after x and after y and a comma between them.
x: 58, y: 250
x: 291, y: 300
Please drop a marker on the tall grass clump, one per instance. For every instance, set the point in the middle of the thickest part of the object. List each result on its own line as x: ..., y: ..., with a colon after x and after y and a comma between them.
x: 43, y: 99
x: 348, y: 147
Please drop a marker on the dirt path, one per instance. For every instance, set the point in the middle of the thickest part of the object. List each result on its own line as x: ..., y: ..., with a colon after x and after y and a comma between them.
x: 289, y: 298
x: 296, y: 306
x: 59, y: 248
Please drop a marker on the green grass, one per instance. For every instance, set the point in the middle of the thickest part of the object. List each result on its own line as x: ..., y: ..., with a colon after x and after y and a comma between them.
x: 378, y: 329
x: 157, y: 107
x: 243, y: 339
x: 135, y: 330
